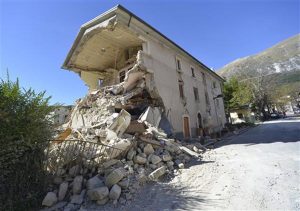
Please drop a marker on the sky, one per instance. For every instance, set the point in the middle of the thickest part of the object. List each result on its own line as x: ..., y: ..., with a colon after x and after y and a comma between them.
x: 35, y: 36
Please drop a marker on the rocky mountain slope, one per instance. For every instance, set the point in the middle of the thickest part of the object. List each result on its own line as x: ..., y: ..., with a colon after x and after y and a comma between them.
x: 281, y: 61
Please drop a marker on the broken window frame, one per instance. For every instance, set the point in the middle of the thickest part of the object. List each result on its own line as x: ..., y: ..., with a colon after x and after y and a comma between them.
x: 100, y: 82
x: 122, y: 75
x: 240, y: 116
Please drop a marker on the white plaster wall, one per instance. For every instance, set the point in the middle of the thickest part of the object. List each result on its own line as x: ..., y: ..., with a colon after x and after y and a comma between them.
x: 166, y: 81
x: 216, y: 112
x: 90, y: 79
x: 162, y: 61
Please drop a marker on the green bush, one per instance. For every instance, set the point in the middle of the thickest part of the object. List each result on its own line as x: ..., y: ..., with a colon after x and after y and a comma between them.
x: 24, y: 133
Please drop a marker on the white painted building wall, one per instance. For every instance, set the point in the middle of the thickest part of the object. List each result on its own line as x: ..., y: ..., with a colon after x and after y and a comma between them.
x: 99, y: 53
x: 163, y: 64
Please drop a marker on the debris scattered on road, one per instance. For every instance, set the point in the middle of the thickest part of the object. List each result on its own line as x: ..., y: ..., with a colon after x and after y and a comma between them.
x: 111, y: 150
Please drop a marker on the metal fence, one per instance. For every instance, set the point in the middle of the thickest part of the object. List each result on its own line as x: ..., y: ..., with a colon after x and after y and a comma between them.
x: 62, y: 155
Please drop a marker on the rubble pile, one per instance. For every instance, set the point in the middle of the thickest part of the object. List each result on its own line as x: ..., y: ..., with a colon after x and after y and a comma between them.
x: 130, y: 151
x: 117, y: 180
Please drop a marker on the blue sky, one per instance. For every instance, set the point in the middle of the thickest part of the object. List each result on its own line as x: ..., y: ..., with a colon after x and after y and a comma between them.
x: 35, y: 36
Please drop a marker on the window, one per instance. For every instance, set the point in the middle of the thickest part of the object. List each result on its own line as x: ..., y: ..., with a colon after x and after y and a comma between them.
x: 207, y: 98
x: 240, y: 116
x: 181, y: 89
x: 204, y: 79
x: 199, y: 120
x: 208, y: 111
x: 196, y: 94
x: 100, y: 83
x: 122, y: 76
x: 214, y: 84
x: 178, y: 63
x: 126, y: 54
x: 193, y: 72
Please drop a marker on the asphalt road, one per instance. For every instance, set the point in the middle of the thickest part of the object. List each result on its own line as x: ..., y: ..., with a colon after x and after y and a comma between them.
x: 282, y: 130
x: 256, y: 170
x: 261, y: 168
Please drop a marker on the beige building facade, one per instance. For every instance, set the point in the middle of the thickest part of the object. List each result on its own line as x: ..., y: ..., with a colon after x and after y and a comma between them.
x: 60, y: 114
x: 117, y: 47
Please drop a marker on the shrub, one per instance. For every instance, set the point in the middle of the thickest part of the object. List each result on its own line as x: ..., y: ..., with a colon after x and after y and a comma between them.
x: 24, y: 133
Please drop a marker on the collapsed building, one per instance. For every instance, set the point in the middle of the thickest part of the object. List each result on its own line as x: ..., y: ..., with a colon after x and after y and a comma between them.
x: 126, y: 131
x: 103, y: 155
x: 123, y: 54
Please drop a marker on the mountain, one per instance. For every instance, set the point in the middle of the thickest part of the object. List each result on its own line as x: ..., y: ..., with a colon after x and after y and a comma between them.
x: 282, y: 61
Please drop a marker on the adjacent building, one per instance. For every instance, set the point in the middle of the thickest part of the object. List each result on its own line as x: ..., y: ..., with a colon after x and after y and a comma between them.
x: 60, y: 114
x: 118, y: 47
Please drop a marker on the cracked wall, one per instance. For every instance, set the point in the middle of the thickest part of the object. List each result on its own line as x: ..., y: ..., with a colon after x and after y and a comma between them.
x: 122, y: 57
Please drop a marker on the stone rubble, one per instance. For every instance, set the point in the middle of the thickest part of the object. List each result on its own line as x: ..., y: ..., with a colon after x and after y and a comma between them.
x: 63, y: 188
x: 98, y: 193
x: 115, y: 192
x: 114, y: 175
x: 50, y: 199
x: 77, y: 184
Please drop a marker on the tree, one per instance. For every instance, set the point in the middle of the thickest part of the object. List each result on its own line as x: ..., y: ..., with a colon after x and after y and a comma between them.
x: 24, y: 134
x: 236, y: 94
x: 285, y: 94
x: 260, y: 86
x: 270, y: 89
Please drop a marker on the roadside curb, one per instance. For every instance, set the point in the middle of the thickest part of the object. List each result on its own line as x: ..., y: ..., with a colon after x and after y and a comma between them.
x: 228, y: 139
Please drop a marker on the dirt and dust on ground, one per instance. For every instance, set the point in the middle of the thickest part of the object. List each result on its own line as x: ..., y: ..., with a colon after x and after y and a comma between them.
x: 227, y: 179
x: 113, y: 144
x: 257, y: 170
x: 116, y: 153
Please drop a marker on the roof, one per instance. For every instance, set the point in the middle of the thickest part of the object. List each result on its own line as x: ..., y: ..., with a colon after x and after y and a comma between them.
x: 113, y: 11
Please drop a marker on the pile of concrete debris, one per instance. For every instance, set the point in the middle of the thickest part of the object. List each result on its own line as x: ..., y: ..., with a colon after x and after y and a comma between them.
x: 130, y: 150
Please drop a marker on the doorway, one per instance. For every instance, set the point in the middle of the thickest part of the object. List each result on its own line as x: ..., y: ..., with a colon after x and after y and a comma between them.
x: 186, y: 127
x: 199, y: 120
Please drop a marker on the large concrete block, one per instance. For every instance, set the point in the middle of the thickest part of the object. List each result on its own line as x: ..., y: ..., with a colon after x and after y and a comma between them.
x: 157, y: 173
x: 152, y: 115
x: 114, y: 177
x: 98, y: 193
